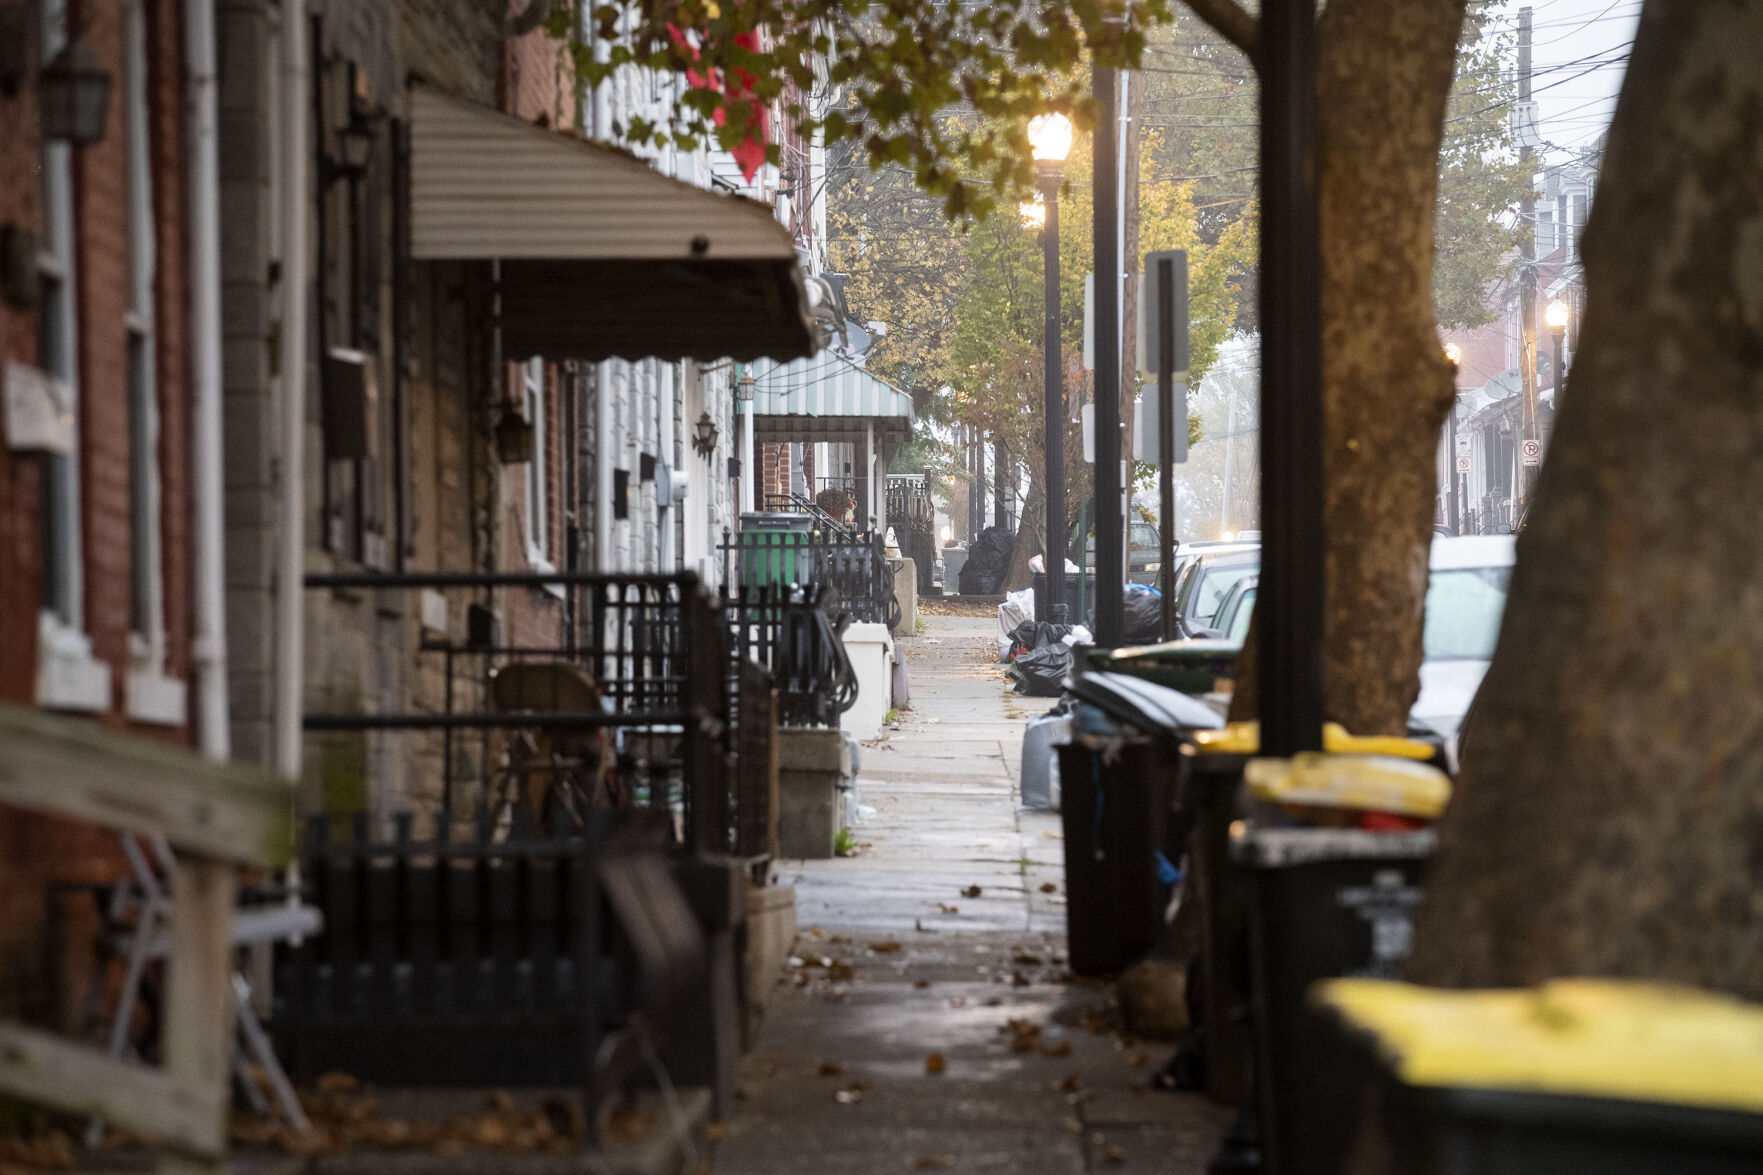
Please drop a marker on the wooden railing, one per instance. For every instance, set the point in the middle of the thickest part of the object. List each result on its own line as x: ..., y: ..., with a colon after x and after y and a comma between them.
x: 217, y: 816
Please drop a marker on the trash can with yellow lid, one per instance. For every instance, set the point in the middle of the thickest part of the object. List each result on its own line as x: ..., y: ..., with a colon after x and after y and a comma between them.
x: 1212, y: 789
x: 1612, y: 1076
x: 1328, y: 896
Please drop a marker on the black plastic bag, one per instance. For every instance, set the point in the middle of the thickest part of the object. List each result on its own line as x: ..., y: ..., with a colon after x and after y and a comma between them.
x: 988, y: 558
x: 1041, y: 673
x: 1143, y: 619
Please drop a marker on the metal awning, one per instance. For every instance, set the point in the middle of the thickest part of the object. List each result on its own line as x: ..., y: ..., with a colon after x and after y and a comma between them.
x: 600, y: 255
x: 828, y: 398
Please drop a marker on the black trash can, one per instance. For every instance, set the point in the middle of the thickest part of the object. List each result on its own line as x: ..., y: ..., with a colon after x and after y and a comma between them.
x: 1115, y: 789
x: 1668, y: 1105
x: 1323, y: 902
x: 1213, y: 792
x: 1038, y: 585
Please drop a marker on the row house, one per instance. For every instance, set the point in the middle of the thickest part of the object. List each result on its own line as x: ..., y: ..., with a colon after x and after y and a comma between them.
x: 1480, y: 457
x: 360, y: 289
x: 101, y: 611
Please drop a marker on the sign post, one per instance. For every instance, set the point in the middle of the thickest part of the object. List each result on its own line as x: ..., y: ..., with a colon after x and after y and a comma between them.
x: 1168, y: 308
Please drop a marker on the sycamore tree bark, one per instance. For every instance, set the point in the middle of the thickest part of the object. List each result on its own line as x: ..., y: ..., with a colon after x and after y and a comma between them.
x: 1384, y: 76
x: 1610, y: 817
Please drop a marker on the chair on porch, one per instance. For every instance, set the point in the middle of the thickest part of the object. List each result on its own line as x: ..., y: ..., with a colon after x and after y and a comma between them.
x: 137, y: 915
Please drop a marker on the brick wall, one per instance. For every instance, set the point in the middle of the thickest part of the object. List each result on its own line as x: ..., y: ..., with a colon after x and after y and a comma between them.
x: 37, y: 850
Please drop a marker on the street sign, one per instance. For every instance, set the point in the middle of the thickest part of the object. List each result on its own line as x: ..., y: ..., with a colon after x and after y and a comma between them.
x: 1533, y: 453
x: 1463, y: 463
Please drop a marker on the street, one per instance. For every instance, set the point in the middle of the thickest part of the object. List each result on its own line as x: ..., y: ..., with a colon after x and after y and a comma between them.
x: 945, y: 934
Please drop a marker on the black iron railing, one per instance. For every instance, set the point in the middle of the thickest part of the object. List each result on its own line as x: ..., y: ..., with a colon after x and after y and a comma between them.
x: 797, y: 504
x: 486, y: 953
x: 788, y: 631
x: 852, y: 573
x: 628, y: 710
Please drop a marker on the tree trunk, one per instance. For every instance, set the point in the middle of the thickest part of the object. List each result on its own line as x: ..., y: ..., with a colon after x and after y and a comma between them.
x: 1610, y: 818
x: 1384, y: 74
x: 1028, y: 539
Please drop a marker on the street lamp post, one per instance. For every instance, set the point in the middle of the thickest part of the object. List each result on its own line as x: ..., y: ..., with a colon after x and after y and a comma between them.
x: 1556, y: 315
x: 1050, y: 135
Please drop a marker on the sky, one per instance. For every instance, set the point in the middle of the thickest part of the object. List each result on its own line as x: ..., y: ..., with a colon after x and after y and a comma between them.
x: 1579, y: 53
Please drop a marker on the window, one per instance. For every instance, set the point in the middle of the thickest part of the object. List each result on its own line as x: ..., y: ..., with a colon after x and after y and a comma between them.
x: 1463, y: 610
x: 151, y: 696
x: 538, y: 528
x: 67, y: 675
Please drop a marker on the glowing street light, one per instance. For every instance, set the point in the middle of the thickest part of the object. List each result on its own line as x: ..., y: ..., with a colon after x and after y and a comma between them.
x: 1050, y: 136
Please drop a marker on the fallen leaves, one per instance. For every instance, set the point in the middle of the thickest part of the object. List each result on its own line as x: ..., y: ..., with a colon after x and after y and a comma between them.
x: 1049, y: 887
x: 829, y: 1069
x: 839, y: 971
x: 934, y: 1063
x: 884, y: 948
x: 933, y: 1162
x: 345, y: 1115
x: 972, y: 891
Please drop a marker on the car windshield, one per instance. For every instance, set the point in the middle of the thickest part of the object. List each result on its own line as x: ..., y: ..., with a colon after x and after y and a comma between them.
x: 1463, y: 608
x: 1215, y: 580
x: 1144, y: 535
x: 1239, y: 621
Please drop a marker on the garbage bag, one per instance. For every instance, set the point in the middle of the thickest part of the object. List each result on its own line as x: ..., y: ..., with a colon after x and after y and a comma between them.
x: 1143, y: 620
x: 1041, y: 673
x: 1012, y: 614
x: 988, y: 558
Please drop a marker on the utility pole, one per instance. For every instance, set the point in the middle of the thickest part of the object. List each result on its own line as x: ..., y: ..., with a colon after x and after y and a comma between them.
x: 1230, y: 444
x: 1109, y: 610
x: 1288, y: 608
x: 1527, y: 280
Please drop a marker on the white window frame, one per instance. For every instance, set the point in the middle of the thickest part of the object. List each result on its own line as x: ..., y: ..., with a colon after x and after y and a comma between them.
x: 68, y: 676
x: 152, y: 697
x: 538, y: 471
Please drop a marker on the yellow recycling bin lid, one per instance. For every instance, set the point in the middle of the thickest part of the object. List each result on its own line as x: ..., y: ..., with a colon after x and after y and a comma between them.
x: 1364, y: 783
x: 1244, y: 738
x: 1600, y: 1038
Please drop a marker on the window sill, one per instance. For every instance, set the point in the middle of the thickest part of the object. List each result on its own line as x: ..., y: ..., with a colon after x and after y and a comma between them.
x: 536, y: 561
x: 155, y: 699
x: 68, y: 676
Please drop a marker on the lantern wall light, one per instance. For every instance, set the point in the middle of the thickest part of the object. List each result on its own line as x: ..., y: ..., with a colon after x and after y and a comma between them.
x: 705, y: 435
x: 73, y: 94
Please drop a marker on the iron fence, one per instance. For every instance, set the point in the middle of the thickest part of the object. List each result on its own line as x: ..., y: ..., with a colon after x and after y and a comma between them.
x: 851, y: 572
x: 788, y: 631
x: 629, y: 709
x: 485, y: 953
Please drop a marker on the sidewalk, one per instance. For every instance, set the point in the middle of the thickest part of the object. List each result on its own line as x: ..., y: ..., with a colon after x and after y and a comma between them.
x: 943, y: 941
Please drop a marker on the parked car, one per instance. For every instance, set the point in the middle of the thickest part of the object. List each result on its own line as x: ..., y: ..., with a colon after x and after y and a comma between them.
x: 1465, y: 599
x: 1231, y: 621
x: 1203, y: 585
x: 1144, y: 554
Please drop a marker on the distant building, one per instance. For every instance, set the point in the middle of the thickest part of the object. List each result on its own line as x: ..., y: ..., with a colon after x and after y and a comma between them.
x: 1487, y: 422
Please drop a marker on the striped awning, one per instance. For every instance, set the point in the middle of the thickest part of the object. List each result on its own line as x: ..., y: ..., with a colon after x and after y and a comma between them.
x: 827, y: 398
x: 599, y: 254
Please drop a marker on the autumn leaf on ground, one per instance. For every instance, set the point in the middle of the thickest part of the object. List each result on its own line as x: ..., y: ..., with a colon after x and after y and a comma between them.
x: 1049, y: 887
x: 1061, y: 1049
x: 921, y: 983
x: 972, y: 891
x: 829, y: 1069
x: 932, y: 1162
x: 839, y: 971
x: 934, y: 1063
x: 884, y: 948
x: 1114, y: 1153
x: 948, y: 909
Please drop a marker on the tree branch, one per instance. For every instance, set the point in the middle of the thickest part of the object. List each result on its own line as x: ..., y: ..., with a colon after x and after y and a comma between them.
x: 1233, y: 22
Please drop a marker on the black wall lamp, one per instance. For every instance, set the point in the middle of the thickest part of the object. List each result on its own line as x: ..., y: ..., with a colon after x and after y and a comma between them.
x: 355, y: 139
x: 705, y: 435
x: 73, y: 93
x: 73, y: 89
